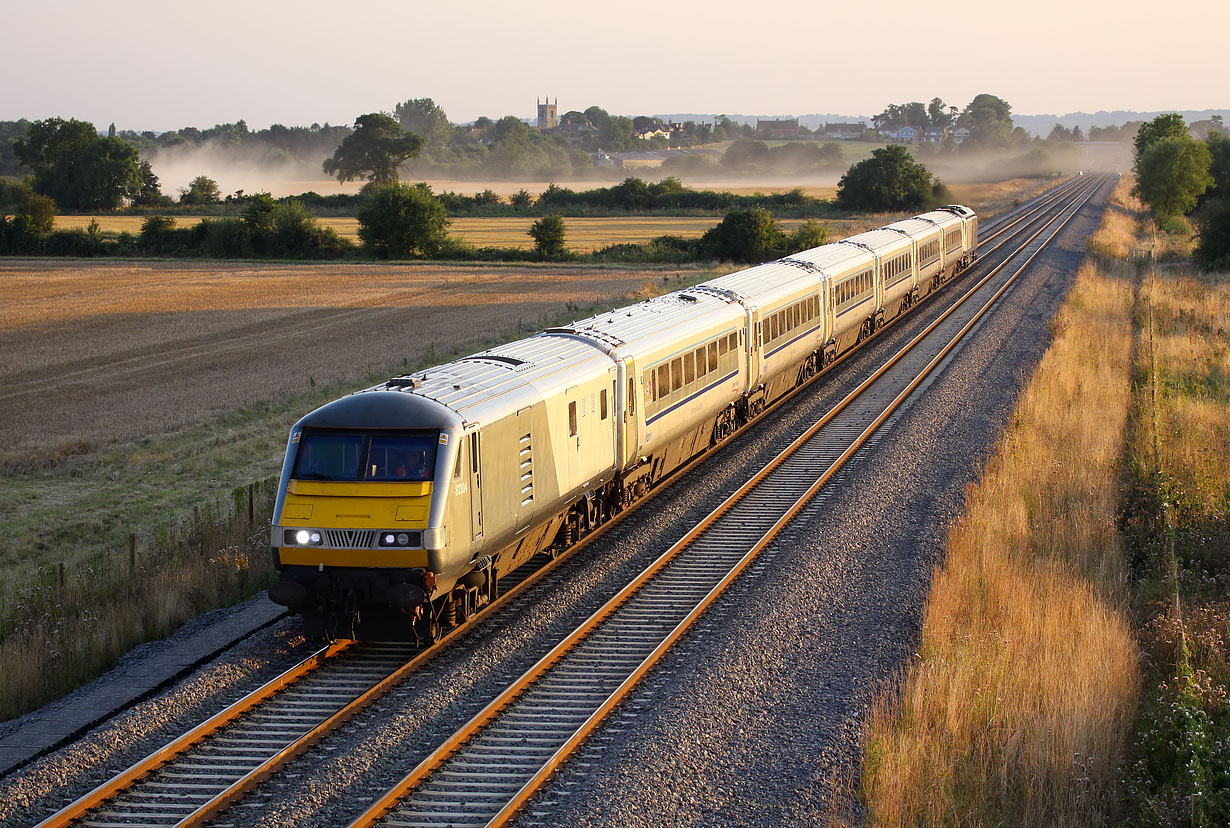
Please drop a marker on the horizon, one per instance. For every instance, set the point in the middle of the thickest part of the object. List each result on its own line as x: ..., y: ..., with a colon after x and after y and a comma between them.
x: 195, y: 67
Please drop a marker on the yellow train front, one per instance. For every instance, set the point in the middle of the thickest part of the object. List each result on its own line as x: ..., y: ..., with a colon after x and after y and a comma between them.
x: 360, y: 524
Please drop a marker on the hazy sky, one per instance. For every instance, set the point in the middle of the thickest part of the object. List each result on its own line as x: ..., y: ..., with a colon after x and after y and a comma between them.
x: 161, y: 65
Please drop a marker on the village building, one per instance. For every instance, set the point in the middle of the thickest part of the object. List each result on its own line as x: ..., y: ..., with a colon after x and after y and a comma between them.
x: 844, y: 131
x: 781, y: 128
x: 548, y: 114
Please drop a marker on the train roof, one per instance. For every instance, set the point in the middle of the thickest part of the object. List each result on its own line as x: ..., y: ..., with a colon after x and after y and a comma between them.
x: 944, y: 218
x: 653, y: 322
x: 915, y: 228
x: 883, y: 242
x: 764, y: 284
x: 485, y: 386
x: 833, y: 258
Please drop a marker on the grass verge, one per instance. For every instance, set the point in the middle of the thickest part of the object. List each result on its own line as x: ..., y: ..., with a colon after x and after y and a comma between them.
x: 1018, y: 706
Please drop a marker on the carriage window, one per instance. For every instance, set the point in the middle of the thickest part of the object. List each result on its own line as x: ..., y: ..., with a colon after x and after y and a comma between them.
x: 773, y: 328
x: 723, y: 346
x: 664, y: 381
x: 602, y: 404
x: 689, y: 373
x: 676, y: 374
x: 713, y: 356
x: 572, y: 419
x: 734, y: 341
x: 700, y: 361
x: 631, y: 395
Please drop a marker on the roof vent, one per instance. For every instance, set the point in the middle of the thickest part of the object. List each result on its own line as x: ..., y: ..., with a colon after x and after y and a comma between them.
x: 507, y: 360
x: 688, y: 297
x: 402, y: 382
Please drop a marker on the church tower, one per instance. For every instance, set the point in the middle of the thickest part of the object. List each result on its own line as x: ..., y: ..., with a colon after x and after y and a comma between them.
x: 548, y: 113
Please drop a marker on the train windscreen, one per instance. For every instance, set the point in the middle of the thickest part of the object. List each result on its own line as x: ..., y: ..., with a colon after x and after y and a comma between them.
x: 351, y: 456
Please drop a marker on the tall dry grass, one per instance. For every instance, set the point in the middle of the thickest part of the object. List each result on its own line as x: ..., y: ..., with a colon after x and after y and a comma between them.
x: 1018, y: 707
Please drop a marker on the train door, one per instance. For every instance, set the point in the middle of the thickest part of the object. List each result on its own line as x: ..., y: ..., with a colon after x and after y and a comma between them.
x: 629, y: 427
x: 572, y: 445
x: 753, y: 347
x: 474, y: 441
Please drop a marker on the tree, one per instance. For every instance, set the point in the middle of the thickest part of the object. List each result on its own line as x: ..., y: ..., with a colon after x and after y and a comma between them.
x: 548, y: 235
x: 989, y: 120
x: 521, y: 198
x: 201, y: 190
x: 1171, y: 174
x: 402, y: 220
x: 939, y: 113
x: 74, y: 166
x: 422, y: 117
x: 889, y: 180
x: 1160, y: 128
x: 148, y: 193
x: 1219, y: 149
x: 1213, y: 222
x: 744, y: 236
x: 373, y: 151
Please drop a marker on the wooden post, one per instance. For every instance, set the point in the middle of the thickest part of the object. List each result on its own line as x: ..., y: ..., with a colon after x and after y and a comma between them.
x: 251, y: 506
x: 61, y: 574
x: 132, y: 551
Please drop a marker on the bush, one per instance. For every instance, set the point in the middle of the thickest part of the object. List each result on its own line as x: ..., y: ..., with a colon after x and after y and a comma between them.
x: 809, y: 234
x: 401, y: 220
x: 1171, y: 174
x: 521, y: 198
x: 889, y: 180
x: 744, y: 236
x: 227, y: 238
x: 548, y: 235
x: 1213, y: 249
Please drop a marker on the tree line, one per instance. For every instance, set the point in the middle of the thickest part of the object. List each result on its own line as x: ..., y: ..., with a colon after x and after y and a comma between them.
x: 1179, y: 176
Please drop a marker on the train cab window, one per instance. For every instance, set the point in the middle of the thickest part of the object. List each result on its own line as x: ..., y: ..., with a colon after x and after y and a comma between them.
x: 572, y: 419
x: 407, y: 456
x: 713, y: 356
x: 457, y: 465
x: 676, y: 374
x: 602, y: 404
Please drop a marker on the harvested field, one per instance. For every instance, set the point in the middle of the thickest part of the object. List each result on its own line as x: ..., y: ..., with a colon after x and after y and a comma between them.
x: 120, y: 350
x: 584, y: 234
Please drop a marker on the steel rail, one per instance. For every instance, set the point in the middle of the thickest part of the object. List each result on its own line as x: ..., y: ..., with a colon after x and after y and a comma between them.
x: 435, y: 762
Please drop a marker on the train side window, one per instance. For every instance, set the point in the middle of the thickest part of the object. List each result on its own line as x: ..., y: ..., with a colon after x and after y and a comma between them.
x: 664, y: 380
x: 602, y: 404
x: 701, y: 363
x: 457, y: 465
x: 631, y: 395
x: 572, y: 419
x: 734, y: 342
x: 676, y: 374
x: 474, y: 451
x: 689, y: 371
x: 723, y: 346
x: 713, y: 356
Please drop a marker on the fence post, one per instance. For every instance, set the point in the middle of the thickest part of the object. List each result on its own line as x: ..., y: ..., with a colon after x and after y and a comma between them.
x: 251, y: 506
x: 132, y: 551
x: 60, y: 569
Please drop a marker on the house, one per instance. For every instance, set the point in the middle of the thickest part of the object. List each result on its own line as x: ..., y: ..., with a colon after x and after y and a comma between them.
x: 960, y: 135
x: 934, y: 135
x: 782, y: 128
x: 844, y: 131
x: 906, y: 135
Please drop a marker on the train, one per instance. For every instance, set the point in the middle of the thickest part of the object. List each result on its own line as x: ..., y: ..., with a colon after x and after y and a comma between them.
x: 401, y: 506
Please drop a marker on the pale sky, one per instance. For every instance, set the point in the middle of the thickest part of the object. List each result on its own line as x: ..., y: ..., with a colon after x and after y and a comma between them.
x: 164, y: 64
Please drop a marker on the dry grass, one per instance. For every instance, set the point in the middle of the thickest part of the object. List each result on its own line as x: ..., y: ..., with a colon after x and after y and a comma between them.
x: 1018, y: 705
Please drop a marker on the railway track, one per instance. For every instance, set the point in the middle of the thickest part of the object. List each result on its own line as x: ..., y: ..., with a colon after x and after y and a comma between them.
x: 196, y: 777
x: 491, y: 767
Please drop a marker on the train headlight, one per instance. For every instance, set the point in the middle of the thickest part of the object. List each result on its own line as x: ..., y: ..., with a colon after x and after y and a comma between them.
x: 302, y: 537
x: 401, y: 539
